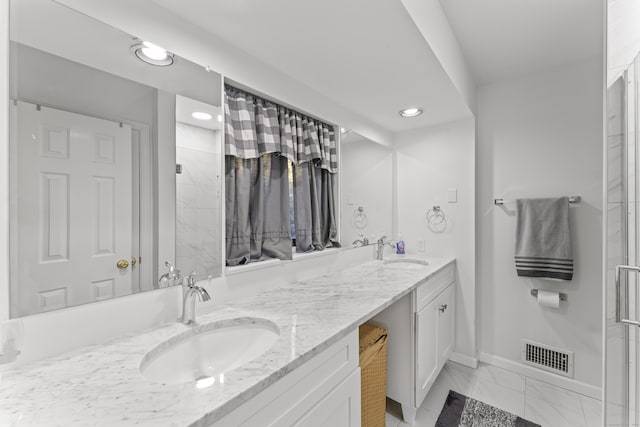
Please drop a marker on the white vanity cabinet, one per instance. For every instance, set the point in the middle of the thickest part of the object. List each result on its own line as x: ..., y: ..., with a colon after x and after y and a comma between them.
x: 434, y: 339
x: 324, y: 391
x: 421, y: 329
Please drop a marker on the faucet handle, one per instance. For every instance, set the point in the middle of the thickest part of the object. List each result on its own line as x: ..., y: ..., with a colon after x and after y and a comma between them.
x: 191, y: 279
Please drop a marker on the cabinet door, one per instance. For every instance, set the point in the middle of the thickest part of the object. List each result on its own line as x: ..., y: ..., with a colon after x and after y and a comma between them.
x: 426, y: 349
x: 446, y: 323
x: 339, y: 408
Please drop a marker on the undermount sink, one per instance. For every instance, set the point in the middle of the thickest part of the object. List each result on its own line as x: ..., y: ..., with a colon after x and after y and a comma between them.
x: 205, y: 353
x: 405, y: 260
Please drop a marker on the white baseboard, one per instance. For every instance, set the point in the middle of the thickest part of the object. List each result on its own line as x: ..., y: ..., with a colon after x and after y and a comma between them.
x: 537, y: 374
x: 463, y: 359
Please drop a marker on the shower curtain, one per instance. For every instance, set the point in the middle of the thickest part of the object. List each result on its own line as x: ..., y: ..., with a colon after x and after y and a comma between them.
x: 313, y: 179
x: 261, y: 138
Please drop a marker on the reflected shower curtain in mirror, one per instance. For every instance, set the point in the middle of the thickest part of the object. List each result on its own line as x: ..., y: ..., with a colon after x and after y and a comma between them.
x: 313, y: 179
x: 261, y: 138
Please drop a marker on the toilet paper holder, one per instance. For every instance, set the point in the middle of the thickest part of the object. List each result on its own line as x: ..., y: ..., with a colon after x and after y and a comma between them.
x: 534, y: 292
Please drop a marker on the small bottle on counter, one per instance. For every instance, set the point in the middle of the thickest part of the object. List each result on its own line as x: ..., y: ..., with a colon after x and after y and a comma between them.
x: 400, y: 245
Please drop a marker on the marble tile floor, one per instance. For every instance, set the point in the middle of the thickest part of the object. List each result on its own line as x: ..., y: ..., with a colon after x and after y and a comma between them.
x: 536, y: 401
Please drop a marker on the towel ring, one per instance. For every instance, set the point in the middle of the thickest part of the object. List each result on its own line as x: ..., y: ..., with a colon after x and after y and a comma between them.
x: 435, y: 216
x: 436, y: 219
x: 359, y: 218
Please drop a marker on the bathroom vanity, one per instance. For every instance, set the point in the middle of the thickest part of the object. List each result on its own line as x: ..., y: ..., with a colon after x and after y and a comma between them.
x: 421, y: 338
x: 309, y: 376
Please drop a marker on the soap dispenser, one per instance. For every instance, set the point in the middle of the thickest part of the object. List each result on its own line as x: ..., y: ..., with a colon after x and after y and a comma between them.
x: 400, y: 245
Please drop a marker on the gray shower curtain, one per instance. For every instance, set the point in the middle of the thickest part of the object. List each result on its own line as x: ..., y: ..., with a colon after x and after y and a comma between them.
x: 257, y: 209
x: 313, y: 179
x: 260, y: 139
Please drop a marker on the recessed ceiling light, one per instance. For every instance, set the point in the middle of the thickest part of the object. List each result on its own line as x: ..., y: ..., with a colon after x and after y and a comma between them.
x: 201, y: 116
x: 152, y: 54
x: 410, y: 112
x: 344, y: 130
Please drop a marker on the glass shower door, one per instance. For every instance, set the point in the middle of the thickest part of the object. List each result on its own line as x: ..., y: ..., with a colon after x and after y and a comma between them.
x: 622, y: 380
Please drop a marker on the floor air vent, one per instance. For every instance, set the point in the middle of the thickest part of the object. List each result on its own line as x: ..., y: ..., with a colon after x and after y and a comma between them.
x: 549, y: 358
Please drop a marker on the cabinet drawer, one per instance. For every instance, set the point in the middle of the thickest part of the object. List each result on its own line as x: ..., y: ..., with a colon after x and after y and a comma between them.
x: 432, y: 287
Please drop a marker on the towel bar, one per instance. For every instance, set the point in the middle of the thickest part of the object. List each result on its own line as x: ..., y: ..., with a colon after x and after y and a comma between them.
x: 534, y: 292
x: 572, y: 200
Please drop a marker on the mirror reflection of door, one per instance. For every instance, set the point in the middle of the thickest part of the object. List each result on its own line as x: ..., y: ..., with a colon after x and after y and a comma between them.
x: 74, y: 201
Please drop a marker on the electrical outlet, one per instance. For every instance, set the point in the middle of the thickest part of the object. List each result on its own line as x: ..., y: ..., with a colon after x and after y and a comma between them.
x: 420, y: 245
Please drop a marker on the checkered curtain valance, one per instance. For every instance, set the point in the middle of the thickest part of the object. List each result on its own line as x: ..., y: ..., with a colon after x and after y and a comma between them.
x: 255, y: 126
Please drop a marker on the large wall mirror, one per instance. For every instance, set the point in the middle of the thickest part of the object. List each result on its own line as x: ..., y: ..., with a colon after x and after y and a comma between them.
x: 111, y: 173
x: 366, y: 206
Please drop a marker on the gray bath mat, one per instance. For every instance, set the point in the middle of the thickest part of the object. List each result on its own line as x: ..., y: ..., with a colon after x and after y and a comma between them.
x: 462, y: 411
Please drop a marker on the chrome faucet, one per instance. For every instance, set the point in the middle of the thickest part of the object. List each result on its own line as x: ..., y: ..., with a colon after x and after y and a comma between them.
x: 173, y: 276
x: 189, y: 300
x: 380, y: 248
x: 362, y: 241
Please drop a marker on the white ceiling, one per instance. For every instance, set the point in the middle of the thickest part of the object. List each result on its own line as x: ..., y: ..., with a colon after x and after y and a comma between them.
x: 504, y: 38
x: 368, y: 57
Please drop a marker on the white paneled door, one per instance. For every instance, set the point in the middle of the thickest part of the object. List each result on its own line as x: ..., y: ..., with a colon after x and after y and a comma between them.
x: 73, y: 205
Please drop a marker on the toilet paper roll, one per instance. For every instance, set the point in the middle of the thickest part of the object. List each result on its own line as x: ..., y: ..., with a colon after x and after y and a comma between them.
x: 549, y: 299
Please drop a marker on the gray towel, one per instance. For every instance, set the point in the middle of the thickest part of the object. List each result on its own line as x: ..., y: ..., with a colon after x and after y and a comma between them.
x: 543, y: 241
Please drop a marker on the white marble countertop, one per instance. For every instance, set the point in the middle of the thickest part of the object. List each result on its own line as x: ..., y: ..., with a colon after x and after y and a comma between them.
x: 101, y: 385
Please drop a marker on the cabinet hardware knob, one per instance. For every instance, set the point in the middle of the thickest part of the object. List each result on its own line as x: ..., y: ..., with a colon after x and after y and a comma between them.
x: 443, y: 307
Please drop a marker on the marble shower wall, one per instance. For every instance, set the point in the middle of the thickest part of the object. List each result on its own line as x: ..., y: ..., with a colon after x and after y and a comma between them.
x: 198, y: 204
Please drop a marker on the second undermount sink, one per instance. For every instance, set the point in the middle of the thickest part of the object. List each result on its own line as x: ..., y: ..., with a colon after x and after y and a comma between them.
x: 204, y: 354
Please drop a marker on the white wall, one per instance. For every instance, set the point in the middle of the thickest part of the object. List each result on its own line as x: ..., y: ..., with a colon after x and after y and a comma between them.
x: 541, y: 136
x: 54, y: 81
x: 430, y: 162
x: 366, y: 169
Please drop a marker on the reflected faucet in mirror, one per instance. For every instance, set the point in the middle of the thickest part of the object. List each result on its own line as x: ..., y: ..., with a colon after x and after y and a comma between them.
x: 172, y: 277
x: 362, y: 241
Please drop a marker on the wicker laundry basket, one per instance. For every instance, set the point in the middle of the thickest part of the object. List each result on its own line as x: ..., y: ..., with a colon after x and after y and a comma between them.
x: 373, y: 375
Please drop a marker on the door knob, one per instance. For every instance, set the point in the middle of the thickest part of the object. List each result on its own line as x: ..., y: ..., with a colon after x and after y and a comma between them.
x: 133, y: 261
x: 122, y: 264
